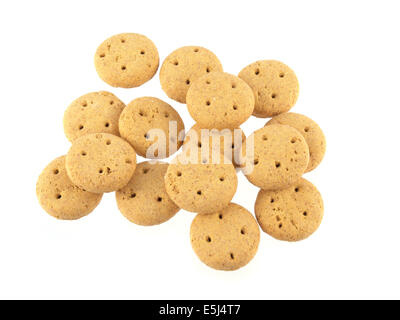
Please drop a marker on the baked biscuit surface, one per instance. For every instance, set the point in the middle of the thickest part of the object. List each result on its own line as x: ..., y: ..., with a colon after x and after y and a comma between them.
x: 184, y: 66
x: 203, y: 184
x: 138, y: 121
x: 280, y: 157
x: 311, y: 132
x: 275, y: 87
x: 291, y: 214
x: 227, y: 239
x: 126, y: 60
x: 100, y: 162
x: 220, y: 100
x: 59, y: 197
x: 144, y: 200
x: 94, y: 112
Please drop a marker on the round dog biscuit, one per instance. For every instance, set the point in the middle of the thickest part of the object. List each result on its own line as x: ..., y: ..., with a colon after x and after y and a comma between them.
x: 291, y: 214
x: 311, y: 132
x: 59, y: 197
x: 199, y: 182
x: 100, y: 162
x: 280, y: 157
x: 227, y: 239
x: 96, y: 112
x: 144, y: 200
x: 220, y: 100
x: 184, y: 66
x: 275, y: 87
x: 141, y: 121
x: 126, y: 60
x: 229, y: 141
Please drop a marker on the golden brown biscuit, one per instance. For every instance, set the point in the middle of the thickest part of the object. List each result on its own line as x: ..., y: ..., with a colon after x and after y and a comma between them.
x: 280, y: 157
x: 184, y: 66
x: 311, y: 132
x: 227, y: 239
x: 126, y: 60
x: 201, y: 181
x: 144, y: 200
x: 100, y: 162
x: 224, y: 138
x: 291, y: 214
x: 141, y: 117
x: 59, y: 197
x: 220, y: 100
x: 95, y: 112
x: 275, y: 87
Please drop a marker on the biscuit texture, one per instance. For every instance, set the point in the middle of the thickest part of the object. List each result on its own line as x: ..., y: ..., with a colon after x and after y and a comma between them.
x: 100, y: 162
x: 275, y: 87
x: 311, y: 132
x: 291, y: 214
x: 95, y: 112
x: 280, y: 157
x: 184, y: 66
x: 201, y: 181
x: 227, y: 239
x: 224, y: 139
x: 144, y: 200
x: 126, y: 60
x: 220, y: 100
x: 141, y: 117
x: 59, y: 197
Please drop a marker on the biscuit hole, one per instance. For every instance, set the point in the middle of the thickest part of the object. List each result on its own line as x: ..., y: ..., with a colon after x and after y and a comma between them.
x: 208, y: 69
x: 83, y: 153
x: 58, y: 196
x: 277, y: 164
x: 208, y: 82
x: 187, y: 81
x: 233, y: 85
x: 281, y: 75
x: 176, y: 63
x: 108, y: 142
x: 222, y: 179
x: 293, y: 140
x: 145, y: 170
x: 243, y: 230
x: 81, y: 127
x: 84, y: 104
x: 305, y: 213
x: 56, y: 171
x: 199, y: 192
x: 232, y: 256
x: 128, y: 161
x: 235, y: 107
x: 111, y: 102
x: 123, y: 40
x: 280, y: 225
x: 142, y: 52
x: 141, y: 113
x: 123, y: 68
x: 101, y: 171
x: 296, y: 189
x: 179, y: 174
x: 159, y: 199
x: 166, y: 115
x: 133, y: 195
x: 256, y: 162
x: 220, y: 216
x: 265, y: 138
x: 107, y: 124
x: 257, y: 72
x: 196, y: 50
x: 273, y: 96
x: 208, y: 239
x: 102, y: 55
x: 272, y: 200
x: 146, y: 136
x: 306, y: 129
x: 208, y: 103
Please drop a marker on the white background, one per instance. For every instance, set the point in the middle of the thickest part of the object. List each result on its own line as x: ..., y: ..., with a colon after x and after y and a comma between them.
x: 346, y: 56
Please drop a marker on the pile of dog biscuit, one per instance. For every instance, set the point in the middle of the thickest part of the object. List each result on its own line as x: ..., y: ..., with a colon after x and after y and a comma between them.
x: 106, y: 135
